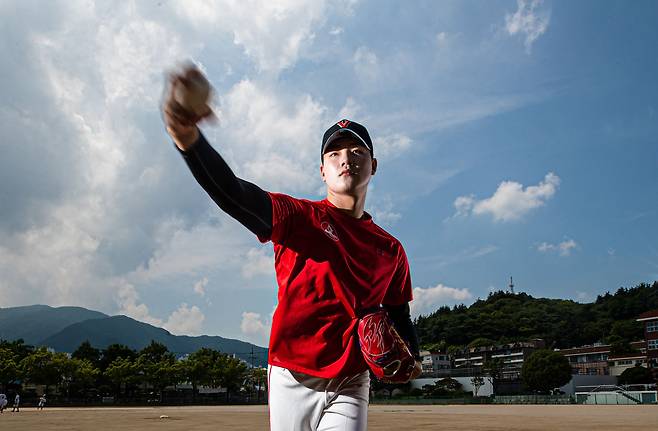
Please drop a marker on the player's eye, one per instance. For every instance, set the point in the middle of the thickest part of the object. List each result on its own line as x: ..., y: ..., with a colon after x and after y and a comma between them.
x: 358, y: 151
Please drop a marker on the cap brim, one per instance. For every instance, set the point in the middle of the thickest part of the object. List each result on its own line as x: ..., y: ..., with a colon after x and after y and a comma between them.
x: 338, y: 134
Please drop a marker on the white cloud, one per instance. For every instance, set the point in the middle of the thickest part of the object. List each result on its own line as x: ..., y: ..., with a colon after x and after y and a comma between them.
x: 428, y: 300
x: 351, y: 109
x: 390, y: 146
x: 383, y: 210
x: 366, y: 64
x: 272, y: 136
x: 185, y: 320
x: 564, y: 248
x: 255, y: 328
x: 257, y: 262
x: 200, y: 287
x: 528, y: 20
x: 336, y: 31
x: 464, y: 255
x: 191, y: 250
x: 130, y: 305
x: 511, y: 201
x: 272, y: 33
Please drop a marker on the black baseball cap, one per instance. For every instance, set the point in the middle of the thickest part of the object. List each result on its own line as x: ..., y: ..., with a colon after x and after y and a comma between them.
x: 346, y: 128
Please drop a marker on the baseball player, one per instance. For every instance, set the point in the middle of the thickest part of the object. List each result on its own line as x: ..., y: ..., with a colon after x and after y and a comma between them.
x: 3, y: 402
x: 42, y: 402
x: 17, y: 403
x: 333, y: 264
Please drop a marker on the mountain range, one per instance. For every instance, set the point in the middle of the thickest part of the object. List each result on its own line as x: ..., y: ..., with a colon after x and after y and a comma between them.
x: 65, y: 328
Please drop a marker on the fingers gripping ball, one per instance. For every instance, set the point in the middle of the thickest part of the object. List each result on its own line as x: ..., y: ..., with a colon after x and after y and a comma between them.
x: 384, y: 350
x: 192, y: 92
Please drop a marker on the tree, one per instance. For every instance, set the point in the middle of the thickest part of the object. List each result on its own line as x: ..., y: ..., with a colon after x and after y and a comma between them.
x: 477, y: 382
x: 199, y: 368
x: 83, y: 374
x: 87, y: 352
x: 546, y: 370
x: 494, y: 369
x: 636, y: 375
x: 257, y: 379
x: 9, y: 370
x: 449, y: 384
x: 121, y: 372
x: 481, y: 342
x: 156, y: 365
x: 232, y: 373
x: 114, y: 351
x: 42, y: 367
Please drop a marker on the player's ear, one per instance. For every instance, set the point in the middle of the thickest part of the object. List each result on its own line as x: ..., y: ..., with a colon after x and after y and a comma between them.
x: 322, y: 172
x: 374, y: 166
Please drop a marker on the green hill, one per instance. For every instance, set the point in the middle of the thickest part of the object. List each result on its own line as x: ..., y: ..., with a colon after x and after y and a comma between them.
x: 505, y: 317
x: 123, y: 330
x: 33, y: 323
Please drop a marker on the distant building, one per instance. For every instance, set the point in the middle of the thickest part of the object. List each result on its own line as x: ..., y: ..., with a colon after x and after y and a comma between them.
x: 617, y: 364
x: 434, y: 362
x: 595, y: 360
x: 650, y: 320
x: 512, y: 355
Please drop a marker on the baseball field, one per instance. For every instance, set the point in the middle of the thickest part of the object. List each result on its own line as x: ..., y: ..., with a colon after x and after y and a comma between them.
x: 390, y: 417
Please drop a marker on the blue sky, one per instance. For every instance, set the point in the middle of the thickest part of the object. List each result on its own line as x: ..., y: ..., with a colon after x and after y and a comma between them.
x: 514, y: 139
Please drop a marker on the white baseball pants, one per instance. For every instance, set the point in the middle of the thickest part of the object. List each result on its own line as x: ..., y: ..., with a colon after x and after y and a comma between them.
x: 299, y: 402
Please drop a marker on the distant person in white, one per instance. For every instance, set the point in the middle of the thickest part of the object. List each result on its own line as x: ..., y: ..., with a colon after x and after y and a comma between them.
x: 17, y: 402
x: 42, y: 402
x: 3, y: 402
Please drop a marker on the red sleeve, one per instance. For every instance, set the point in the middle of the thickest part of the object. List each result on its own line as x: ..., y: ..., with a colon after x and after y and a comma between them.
x: 400, y: 290
x: 286, y: 211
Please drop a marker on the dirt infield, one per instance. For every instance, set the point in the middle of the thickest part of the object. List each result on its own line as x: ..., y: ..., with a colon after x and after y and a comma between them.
x: 462, y: 418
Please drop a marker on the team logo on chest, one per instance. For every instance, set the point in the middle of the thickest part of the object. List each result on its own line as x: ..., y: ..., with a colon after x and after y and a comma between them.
x: 329, y: 230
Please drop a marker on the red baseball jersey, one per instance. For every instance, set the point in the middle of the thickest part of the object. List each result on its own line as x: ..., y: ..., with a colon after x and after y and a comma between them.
x: 322, y: 255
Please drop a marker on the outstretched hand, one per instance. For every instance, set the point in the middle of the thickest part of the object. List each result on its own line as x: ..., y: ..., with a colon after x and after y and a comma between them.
x: 179, y: 120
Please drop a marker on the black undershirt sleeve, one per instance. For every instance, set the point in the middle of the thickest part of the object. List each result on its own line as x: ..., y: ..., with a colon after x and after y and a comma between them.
x: 401, y: 316
x: 242, y: 200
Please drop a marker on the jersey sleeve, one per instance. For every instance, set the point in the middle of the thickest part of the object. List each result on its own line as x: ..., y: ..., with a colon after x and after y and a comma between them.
x: 286, y: 212
x: 400, y: 290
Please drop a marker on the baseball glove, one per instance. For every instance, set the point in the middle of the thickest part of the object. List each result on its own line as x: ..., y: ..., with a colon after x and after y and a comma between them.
x: 384, y: 350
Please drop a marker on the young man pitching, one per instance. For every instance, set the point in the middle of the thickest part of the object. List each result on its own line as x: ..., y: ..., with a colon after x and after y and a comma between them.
x: 333, y: 264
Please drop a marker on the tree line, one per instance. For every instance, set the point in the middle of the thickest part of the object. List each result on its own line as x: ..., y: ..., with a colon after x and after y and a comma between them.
x: 119, y: 371
x: 505, y: 317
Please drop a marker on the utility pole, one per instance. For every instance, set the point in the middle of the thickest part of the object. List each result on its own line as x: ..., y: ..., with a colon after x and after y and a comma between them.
x: 511, y: 285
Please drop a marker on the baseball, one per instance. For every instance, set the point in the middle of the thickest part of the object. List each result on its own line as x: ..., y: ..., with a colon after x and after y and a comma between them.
x: 192, y: 91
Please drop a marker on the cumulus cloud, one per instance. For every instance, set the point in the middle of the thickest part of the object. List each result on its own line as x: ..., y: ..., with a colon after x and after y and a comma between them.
x: 200, y: 287
x: 511, y: 201
x: 185, y: 320
x: 255, y: 328
x: 383, y: 210
x: 429, y: 299
x: 131, y: 306
x: 271, y: 33
x: 563, y: 249
x: 270, y: 133
x: 258, y: 261
x: 391, y: 146
x: 529, y: 20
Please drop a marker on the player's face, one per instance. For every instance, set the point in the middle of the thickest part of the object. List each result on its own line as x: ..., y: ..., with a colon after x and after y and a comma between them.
x: 347, y: 167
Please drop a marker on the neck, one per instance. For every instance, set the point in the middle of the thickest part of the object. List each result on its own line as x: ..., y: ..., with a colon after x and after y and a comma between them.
x: 352, y: 205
